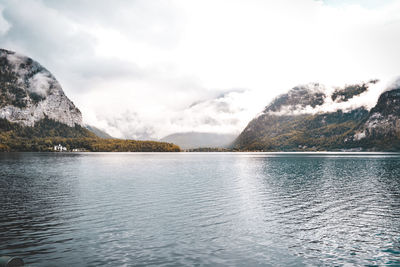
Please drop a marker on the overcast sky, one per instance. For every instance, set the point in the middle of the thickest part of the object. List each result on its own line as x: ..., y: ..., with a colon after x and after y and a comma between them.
x: 145, y: 69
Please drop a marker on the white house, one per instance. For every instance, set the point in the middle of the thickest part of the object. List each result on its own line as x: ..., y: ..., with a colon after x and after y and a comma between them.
x: 60, y: 148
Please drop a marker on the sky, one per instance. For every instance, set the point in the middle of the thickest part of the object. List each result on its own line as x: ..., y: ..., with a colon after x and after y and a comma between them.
x: 147, y: 68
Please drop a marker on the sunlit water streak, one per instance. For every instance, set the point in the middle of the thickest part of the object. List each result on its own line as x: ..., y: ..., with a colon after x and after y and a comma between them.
x: 207, y: 209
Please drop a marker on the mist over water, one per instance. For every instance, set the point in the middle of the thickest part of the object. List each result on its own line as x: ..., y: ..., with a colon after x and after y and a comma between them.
x: 207, y: 209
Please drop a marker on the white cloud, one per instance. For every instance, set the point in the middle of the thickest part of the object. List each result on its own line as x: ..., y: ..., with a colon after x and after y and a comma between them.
x: 155, y: 58
x: 40, y: 84
x: 366, y: 100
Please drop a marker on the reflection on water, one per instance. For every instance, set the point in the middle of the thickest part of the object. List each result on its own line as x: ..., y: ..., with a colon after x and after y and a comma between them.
x: 254, y: 209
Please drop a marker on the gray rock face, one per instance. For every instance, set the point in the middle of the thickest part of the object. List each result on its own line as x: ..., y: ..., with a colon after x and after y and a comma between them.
x: 29, y: 93
x: 384, y: 119
x: 297, y: 98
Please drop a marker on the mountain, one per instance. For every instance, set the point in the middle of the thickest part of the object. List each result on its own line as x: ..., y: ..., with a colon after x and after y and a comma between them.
x: 191, y: 140
x: 98, y: 132
x: 36, y: 115
x: 312, y: 118
x: 382, y: 127
x: 30, y: 93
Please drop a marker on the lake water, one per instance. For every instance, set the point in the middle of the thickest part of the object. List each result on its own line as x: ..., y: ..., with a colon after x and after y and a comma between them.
x: 203, y: 209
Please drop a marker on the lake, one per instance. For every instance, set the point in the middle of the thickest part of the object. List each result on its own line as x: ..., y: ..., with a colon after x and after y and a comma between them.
x: 203, y: 209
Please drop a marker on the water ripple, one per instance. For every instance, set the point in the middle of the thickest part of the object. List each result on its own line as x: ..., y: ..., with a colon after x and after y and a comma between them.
x: 206, y: 209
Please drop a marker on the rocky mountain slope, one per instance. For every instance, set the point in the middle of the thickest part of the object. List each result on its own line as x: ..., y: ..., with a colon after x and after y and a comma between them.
x: 310, y: 117
x: 30, y: 93
x: 381, y: 130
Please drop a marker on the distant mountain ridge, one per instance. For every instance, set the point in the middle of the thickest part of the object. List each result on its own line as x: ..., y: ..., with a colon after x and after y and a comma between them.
x: 189, y: 140
x: 300, y: 120
x: 98, y: 132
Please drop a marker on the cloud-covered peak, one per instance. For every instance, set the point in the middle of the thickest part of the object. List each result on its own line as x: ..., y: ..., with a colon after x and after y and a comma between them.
x: 30, y: 93
x: 315, y: 98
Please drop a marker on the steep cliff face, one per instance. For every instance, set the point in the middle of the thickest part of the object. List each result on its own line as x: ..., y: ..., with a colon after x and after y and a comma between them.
x: 382, y: 127
x: 29, y: 93
x: 303, y: 120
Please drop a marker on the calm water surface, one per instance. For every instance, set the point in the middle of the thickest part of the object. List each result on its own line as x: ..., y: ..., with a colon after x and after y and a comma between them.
x: 203, y: 209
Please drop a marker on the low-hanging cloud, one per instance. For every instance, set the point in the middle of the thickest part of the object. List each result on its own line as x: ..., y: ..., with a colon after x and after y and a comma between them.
x: 40, y: 84
x: 227, y: 113
x: 127, y: 125
x: 366, y: 100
